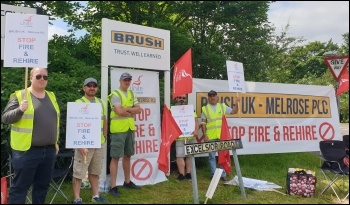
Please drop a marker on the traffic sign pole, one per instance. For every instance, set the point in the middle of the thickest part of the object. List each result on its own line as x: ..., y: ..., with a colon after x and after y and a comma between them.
x: 336, y: 64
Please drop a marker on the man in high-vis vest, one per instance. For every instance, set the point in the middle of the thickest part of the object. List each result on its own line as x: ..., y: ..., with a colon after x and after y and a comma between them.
x: 90, y: 159
x: 211, y: 124
x: 34, y: 117
x: 183, y: 162
x: 124, y: 105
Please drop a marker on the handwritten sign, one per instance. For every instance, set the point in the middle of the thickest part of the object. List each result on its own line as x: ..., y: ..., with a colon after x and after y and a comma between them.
x: 83, y: 125
x: 235, y: 76
x: 26, y: 43
x: 184, y: 118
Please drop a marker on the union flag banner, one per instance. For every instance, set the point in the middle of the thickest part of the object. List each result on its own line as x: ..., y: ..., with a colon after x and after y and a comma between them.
x: 170, y: 131
x: 224, y: 156
x: 343, y: 82
x: 182, y: 76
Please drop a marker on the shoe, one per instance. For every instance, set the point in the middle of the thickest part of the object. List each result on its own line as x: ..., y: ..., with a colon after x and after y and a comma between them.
x: 78, y: 201
x: 224, y: 179
x: 188, y: 177
x: 131, y: 185
x: 114, y: 191
x: 180, y: 177
x: 99, y: 199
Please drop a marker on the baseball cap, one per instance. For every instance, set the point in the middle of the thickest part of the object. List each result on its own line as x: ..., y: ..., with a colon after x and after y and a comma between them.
x: 90, y: 80
x: 125, y: 76
x: 212, y: 92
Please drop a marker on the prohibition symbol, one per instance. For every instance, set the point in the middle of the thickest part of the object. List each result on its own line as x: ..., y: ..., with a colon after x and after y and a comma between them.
x: 326, y: 131
x: 143, y: 171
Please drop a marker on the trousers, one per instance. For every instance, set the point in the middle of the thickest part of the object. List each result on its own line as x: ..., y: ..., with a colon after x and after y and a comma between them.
x: 32, y: 168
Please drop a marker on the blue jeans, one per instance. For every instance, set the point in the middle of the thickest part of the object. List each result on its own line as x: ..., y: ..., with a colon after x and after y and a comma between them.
x: 32, y: 167
x: 212, y: 162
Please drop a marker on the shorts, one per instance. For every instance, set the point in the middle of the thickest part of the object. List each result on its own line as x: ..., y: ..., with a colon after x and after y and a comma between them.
x: 180, y: 146
x: 93, y: 165
x: 122, y: 143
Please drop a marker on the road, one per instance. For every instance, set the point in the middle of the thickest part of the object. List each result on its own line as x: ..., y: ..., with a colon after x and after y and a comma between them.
x: 344, y: 128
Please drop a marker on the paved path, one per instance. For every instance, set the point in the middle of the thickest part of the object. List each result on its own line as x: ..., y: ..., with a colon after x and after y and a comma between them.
x: 344, y: 128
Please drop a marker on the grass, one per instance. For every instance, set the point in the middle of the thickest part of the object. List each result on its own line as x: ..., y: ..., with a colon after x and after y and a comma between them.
x: 268, y: 167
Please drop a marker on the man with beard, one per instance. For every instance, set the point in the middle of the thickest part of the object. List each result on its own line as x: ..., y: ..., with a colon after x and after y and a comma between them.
x: 184, y: 166
x: 90, y: 159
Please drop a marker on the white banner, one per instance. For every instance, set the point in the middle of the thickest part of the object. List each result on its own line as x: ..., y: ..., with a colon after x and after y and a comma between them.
x: 136, y: 46
x: 144, y: 166
x: 83, y: 125
x: 274, y: 117
x: 26, y: 43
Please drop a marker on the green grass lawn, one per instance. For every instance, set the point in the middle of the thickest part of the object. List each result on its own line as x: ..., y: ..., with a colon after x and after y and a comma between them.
x: 268, y: 167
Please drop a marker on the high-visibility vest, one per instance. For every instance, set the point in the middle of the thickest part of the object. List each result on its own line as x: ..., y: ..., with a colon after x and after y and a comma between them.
x: 103, y: 112
x: 214, y: 120
x: 120, y: 123
x: 22, y: 130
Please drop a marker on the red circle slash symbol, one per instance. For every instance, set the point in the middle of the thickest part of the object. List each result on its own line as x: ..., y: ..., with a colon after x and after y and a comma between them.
x: 326, y: 131
x: 143, y: 171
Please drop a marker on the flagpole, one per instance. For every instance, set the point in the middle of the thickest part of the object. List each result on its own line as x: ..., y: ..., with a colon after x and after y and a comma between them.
x: 239, y: 112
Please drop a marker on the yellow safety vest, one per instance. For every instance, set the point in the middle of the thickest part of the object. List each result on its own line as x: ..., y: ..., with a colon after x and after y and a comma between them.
x: 214, y: 120
x: 22, y: 130
x: 103, y: 112
x: 119, y: 123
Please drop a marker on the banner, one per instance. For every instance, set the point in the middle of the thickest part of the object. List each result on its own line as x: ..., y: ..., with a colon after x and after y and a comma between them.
x: 144, y: 167
x: 182, y: 77
x: 275, y: 117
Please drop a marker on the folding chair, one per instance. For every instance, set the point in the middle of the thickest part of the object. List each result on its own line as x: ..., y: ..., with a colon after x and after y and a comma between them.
x: 334, y: 169
x: 63, y: 167
x: 346, y: 141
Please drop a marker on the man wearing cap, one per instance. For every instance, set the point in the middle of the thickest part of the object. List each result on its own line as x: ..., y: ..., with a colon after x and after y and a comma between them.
x: 124, y: 106
x: 90, y: 159
x: 211, y: 124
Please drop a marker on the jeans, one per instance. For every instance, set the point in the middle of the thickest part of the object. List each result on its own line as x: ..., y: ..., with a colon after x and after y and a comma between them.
x: 32, y: 168
x: 212, y: 162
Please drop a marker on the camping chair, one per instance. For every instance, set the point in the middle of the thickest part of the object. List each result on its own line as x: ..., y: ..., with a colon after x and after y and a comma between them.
x: 334, y: 169
x: 63, y: 166
x: 346, y: 141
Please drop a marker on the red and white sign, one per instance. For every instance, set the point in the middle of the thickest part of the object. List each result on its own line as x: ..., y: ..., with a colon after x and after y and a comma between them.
x: 144, y: 166
x: 336, y: 65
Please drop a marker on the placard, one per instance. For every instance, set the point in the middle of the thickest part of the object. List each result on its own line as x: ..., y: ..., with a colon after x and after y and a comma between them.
x: 83, y: 125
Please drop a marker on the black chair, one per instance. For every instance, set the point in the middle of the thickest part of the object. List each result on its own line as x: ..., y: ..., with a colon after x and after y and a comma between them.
x: 334, y: 169
x: 346, y: 141
x: 63, y: 166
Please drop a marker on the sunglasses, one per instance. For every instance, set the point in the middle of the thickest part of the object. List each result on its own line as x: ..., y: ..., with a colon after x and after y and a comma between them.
x: 181, y: 98
x: 91, y: 86
x: 45, y: 77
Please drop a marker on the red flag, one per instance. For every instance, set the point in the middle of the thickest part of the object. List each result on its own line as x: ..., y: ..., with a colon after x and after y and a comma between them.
x: 343, y: 82
x: 182, y: 76
x: 3, y: 190
x: 170, y: 131
x: 224, y: 156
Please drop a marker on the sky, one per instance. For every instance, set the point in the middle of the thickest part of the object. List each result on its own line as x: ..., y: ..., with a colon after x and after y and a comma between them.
x: 314, y: 21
